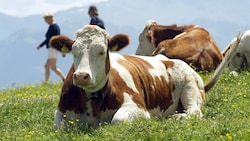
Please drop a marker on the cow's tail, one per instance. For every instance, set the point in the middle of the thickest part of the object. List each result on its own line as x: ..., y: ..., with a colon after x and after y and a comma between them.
x: 227, y: 58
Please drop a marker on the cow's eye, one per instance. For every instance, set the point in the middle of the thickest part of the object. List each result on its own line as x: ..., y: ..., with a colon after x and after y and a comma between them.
x: 101, y: 53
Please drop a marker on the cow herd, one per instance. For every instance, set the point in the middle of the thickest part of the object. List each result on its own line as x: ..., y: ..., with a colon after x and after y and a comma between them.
x: 103, y: 86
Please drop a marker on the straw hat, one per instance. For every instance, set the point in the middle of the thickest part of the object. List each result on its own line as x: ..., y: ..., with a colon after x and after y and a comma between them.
x: 47, y: 15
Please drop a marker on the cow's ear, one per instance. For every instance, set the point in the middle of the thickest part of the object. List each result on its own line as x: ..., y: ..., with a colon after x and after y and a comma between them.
x: 149, y: 36
x: 61, y: 43
x: 118, y: 42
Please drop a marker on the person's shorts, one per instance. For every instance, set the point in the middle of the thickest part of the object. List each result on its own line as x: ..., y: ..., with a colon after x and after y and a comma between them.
x: 52, y: 53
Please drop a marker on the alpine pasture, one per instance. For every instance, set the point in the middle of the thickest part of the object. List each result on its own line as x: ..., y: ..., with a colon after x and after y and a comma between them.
x: 27, y: 113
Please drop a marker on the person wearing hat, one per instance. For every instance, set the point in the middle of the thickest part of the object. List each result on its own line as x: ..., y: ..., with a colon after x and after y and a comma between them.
x: 52, y: 53
x: 95, y: 20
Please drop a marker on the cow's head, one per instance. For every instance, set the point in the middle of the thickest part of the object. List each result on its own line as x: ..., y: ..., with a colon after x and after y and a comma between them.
x: 145, y: 46
x: 91, y: 55
x: 154, y: 33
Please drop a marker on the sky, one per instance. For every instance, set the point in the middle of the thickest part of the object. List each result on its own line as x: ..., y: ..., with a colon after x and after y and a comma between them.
x: 212, y: 9
x: 22, y: 8
x: 175, y: 11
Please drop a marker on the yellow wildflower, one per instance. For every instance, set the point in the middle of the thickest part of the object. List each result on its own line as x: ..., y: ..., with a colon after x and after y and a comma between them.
x: 229, y: 136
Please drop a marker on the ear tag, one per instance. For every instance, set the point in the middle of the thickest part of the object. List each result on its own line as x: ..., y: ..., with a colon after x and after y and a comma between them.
x: 64, y: 49
x: 114, y: 48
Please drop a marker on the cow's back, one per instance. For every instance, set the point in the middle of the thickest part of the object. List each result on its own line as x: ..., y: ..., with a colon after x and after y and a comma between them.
x: 196, y: 47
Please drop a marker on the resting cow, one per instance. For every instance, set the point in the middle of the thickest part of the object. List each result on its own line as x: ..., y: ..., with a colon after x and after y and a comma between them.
x: 192, y: 44
x: 103, y: 86
x: 242, y: 56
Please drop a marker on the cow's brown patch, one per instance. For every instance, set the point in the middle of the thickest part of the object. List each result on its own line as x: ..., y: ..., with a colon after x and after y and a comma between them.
x: 157, y: 91
x: 168, y: 64
x: 113, y: 93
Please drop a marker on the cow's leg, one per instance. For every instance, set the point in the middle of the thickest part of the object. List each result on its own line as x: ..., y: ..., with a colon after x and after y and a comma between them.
x: 192, y: 101
x: 58, y: 119
x: 247, y: 55
x: 71, y: 118
x: 68, y: 118
x: 236, y: 64
x: 192, y: 97
x: 129, y: 111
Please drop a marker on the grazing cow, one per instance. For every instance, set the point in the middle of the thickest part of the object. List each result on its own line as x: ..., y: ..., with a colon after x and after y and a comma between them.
x: 103, y: 86
x: 192, y: 44
x: 242, y: 56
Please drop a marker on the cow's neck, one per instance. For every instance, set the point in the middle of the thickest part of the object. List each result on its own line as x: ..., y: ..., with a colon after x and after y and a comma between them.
x: 96, y: 100
x: 98, y: 96
x: 99, y: 85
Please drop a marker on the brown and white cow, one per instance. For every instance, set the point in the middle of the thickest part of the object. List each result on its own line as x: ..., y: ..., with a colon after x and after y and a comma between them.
x: 242, y: 57
x: 103, y: 86
x: 190, y: 43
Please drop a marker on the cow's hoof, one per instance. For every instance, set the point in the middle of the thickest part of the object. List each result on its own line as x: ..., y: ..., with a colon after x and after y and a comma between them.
x: 234, y: 73
x: 179, y: 116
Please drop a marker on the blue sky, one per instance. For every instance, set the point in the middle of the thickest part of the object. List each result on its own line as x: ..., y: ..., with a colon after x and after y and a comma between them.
x: 22, y: 8
x: 181, y: 10
x: 213, y: 9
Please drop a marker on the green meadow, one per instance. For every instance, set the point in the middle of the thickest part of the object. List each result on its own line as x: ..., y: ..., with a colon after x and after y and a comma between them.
x: 27, y: 113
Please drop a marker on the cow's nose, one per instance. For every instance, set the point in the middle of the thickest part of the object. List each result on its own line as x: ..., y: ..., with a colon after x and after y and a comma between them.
x: 81, y: 78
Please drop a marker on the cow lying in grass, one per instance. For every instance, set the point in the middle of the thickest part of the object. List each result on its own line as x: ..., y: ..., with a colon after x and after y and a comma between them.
x: 241, y: 59
x: 102, y: 86
x: 190, y: 43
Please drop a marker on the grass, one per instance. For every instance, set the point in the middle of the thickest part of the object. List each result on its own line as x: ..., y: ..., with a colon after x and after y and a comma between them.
x: 27, y: 113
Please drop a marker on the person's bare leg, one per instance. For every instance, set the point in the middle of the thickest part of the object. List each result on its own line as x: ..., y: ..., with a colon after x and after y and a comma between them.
x: 47, y: 71
x: 55, y: 69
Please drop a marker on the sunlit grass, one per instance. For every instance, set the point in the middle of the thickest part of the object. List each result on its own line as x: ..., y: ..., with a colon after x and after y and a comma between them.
x: 27, y: 113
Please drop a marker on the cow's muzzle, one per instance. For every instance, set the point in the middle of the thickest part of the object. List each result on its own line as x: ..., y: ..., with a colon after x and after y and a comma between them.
x: 81, y: 78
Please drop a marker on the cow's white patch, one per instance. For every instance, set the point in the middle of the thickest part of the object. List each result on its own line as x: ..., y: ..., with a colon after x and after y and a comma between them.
x: 158, y: 68
x: 58, y: 119
x: 197, y: 26
x: 159, y: 51
x: 157, y: 112
x: 89, y: 117
x: 129, y: 111
x: 179, y: 35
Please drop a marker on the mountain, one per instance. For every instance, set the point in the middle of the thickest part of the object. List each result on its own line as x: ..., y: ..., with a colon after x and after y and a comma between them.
x: 21, y: 63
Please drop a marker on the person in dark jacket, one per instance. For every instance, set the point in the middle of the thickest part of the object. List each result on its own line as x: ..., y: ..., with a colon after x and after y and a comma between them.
x: 53, y: 30
x: 95, y: 19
